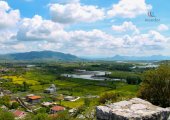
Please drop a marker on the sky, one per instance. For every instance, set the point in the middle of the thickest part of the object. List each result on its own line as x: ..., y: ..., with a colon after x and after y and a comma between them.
x: 87, y: 28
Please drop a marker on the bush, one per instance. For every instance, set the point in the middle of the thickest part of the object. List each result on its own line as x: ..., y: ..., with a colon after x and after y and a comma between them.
x: 156, y: 86
x: 133, y: 80
x: 5, y: 101
x: 14, y: 105
x: 109, y: 96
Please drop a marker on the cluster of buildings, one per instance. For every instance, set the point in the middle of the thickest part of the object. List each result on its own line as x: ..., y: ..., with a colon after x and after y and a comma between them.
x: 35, y: 101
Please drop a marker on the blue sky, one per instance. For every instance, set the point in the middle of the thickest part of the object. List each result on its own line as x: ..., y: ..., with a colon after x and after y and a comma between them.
x: 92, y: 28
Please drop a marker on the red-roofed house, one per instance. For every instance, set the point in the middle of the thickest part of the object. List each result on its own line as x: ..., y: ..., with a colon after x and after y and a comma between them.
x: 19, y: 114
x: 55, y: 109
x: 34, y: 99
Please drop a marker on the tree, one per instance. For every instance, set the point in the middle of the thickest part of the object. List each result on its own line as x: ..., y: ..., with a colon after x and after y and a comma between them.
x: 156, y: 86
x: 5, y: 101
x: 134, y: 80
x: 14, y: 105
x: 25, y: 86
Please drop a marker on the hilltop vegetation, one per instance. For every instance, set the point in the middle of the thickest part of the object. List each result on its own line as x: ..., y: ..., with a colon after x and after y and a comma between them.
x: 156, y: 86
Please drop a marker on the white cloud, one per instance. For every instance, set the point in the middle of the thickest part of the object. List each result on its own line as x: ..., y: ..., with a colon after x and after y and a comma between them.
x: 4, y: 6
x: 126, y: 26
x: 9, y: 18
x: 33, y: 29
x: 152, y: 40
x: 156, y: 36
x: 163, y: 27
x: 19, y: 46
x: 74, y: 12
x: 6, y: 36
x: 39, y: 34
x: 128, y: 8
x: 47, y: 35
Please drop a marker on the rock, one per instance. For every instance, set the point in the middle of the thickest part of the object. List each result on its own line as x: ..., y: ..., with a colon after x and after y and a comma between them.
x: 134, y: 109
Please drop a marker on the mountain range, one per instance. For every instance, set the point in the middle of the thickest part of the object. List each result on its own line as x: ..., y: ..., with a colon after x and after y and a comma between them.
x: 59, y: 56
x: 135, y: 58
x: 40, y: 55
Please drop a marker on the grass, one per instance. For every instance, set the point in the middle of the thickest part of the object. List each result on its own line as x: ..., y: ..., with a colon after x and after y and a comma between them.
x: 20, y: 80
x: 123, y: 74
x: 39, y: 75
x: 74, y: 104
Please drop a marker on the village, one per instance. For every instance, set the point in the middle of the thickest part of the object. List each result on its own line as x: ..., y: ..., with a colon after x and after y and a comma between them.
x: 31, y: 103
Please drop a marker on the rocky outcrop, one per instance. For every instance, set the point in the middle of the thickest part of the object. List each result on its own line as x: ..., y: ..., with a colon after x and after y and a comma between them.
x: 134, y: 109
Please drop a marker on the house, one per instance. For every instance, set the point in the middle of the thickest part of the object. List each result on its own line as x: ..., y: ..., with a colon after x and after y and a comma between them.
x: 71, y: 98
x: 33, y: 99
x: 30, y: 95
x: 51, y: 89
x: 56, y: 109
x: 19, y: 114
x: 27, y: 97
x: 46, y: 104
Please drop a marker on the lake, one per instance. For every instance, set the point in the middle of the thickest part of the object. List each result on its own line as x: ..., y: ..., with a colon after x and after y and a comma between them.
x: 92, y: 75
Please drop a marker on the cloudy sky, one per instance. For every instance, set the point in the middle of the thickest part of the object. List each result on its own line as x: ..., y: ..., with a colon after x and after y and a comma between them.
x: 93, y: 28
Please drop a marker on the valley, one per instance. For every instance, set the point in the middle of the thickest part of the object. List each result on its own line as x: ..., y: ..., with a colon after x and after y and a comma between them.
x: 80, y: 86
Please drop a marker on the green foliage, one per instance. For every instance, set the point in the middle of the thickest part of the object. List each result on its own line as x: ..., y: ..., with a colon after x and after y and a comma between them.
x: 156, y: 86
x: 63, y: 115
x: 123, y: 74
x: 79, y: 110
x: 5, y: 115
x: 5, y: 101
x: 39, y: 116
x: 87, y: 102
x: 14, y: 105
x: 134, y: 80
x: 25, y: 86
x: 108, y: 96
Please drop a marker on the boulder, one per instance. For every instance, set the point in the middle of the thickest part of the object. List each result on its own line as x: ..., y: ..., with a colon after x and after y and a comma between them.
x: 133, y: 109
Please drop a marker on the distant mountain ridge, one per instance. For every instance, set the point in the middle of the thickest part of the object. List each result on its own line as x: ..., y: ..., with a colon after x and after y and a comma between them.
x: 40, y: 55
x: 132, y: 58
x: 153, y: 57
x: 59, y: 56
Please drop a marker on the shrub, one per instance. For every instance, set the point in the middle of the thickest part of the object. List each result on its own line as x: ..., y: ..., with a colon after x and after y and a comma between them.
x: 156, y: 86
x: 134, y: 80
x: 14, y: 105
x: 108, y: 96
